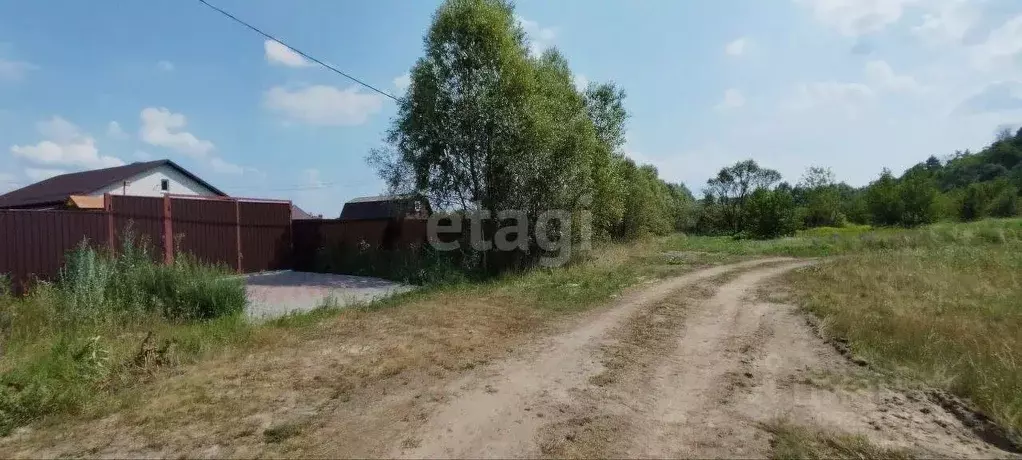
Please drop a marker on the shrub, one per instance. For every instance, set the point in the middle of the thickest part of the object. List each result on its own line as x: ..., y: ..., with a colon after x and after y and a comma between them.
x: 1006, y: 203
x: 770, y: 214
x: 96, y: 286
x: 918, y: 194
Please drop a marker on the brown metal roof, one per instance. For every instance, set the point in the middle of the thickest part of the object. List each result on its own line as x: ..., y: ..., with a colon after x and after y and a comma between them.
x: 383, y: 207
x: 57, y: 189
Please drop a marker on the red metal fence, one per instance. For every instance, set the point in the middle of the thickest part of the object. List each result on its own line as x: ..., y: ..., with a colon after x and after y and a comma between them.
x: 248, y: 236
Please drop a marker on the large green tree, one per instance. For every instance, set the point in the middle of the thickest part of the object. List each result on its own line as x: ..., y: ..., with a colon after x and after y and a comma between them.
x: 732, y: 186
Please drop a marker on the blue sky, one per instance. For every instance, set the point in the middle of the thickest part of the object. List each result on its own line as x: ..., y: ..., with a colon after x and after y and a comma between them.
x: 855, y: 85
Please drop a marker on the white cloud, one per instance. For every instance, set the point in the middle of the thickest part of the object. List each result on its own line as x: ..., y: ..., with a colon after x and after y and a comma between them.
x: 402, y: 82
x: 223, y: 167
x: 278, y: 54
x: 948, y: 23
x: 38, y: 174
x: 733, y: 99
x: 581, y: 82
x: 15, y: 70
x: 857, y: 17
x: 163, y: 128
x: 65, y: 145
x: 58, y: 129
x: 165, y: 66
x: 736, y: 48
x: 1003, y: 45
x: 882, y: 75
x: 114, y: 131
x: 828, y: 94
x: 323, y: 105
x: 540, y: 38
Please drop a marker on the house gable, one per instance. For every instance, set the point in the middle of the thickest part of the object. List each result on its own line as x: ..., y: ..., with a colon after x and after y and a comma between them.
x: 150, y: 183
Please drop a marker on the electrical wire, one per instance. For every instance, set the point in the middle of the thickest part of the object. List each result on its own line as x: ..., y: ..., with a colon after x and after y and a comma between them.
x: 296, y: 50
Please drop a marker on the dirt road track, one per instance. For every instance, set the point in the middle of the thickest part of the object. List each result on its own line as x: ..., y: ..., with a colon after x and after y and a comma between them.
x: 669, y: 372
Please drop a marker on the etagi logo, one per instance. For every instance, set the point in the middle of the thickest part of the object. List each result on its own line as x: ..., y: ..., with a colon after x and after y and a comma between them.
x: 552, y: 235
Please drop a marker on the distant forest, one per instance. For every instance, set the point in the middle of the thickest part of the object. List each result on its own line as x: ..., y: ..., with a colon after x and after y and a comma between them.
x: 748, y: 200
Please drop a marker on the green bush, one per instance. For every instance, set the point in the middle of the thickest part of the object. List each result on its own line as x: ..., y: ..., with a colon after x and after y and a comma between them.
x: 770, y: 214
x: 1006, y: 203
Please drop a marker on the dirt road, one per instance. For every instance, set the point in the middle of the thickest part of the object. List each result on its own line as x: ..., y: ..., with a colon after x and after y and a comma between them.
x: 694, y: 367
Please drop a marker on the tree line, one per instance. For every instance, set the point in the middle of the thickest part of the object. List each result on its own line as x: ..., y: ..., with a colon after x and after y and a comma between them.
x: 746, y: 199
x: 485, y: 124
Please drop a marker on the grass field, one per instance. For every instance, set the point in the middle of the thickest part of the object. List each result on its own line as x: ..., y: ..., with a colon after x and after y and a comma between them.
x: 939, y: 305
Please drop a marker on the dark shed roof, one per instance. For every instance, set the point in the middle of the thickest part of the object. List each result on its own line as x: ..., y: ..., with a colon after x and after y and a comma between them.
x: 56, y: 189
x: 384, y: 207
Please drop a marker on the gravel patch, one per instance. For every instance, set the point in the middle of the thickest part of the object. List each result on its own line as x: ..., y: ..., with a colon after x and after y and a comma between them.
x: 275, y: 294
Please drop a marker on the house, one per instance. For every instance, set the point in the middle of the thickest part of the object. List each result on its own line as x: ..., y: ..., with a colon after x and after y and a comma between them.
x: 386, y: 207
x: 85, y: 189
x: 301, y: 214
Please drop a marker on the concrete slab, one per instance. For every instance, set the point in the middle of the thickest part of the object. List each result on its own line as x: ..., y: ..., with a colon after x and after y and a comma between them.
x: 276, y: 294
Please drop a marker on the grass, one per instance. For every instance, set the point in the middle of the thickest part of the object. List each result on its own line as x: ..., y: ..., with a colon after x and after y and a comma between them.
x: 107, y: 323
x: 799, y: 442
x: 948, y: 316
x: 821, y: 242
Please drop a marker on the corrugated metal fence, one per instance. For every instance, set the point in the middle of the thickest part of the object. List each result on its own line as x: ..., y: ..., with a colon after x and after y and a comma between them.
x: 248, y: 236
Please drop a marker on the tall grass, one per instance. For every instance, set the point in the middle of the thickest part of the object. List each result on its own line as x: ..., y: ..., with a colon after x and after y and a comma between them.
x: 105, y: 320
x: 837, y: 241
x: 940, y: 306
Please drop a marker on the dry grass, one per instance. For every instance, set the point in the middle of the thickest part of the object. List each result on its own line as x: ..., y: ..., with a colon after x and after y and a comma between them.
x: 346, y: 367
x: 948, y: 317
x: 798, y: 442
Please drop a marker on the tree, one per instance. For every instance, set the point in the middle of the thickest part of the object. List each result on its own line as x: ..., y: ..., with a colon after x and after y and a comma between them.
x: 974, y: 203
x: 733, y: 185
x: 770, y: 213
x: 883, y: 200
x: 918, y: 195
x: 459, y: 135
x: 1005, y: 203
x: 605, y: 105
x: 822, y: 200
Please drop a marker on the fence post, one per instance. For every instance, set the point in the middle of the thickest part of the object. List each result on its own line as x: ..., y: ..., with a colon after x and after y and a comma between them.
x: 168, y: 231
x: 237, y: 231
x: 108, y: 208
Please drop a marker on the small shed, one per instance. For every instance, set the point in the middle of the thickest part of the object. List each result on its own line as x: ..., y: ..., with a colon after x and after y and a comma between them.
x: 389, y: 207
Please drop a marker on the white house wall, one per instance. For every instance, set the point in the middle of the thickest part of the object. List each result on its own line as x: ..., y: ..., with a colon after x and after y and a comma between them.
x: 148, y: 184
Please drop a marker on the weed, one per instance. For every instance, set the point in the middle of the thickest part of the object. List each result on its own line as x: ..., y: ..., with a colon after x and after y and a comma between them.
x: 939, y: 305
x: 279, y: 433
x: 798, y: 442
x: 68, y: 344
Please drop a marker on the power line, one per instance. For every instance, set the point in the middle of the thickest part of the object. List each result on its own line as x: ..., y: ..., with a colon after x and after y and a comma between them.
x: 296, y: 50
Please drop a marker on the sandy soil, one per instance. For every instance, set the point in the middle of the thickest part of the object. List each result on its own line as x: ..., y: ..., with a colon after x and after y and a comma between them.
x: 695, y: 366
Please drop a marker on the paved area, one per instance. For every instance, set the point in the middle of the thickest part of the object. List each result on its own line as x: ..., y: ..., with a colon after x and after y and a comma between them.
x: 278, y: 293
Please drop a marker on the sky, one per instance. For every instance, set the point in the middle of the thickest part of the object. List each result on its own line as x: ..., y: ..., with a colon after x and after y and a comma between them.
x: 853, y: 85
